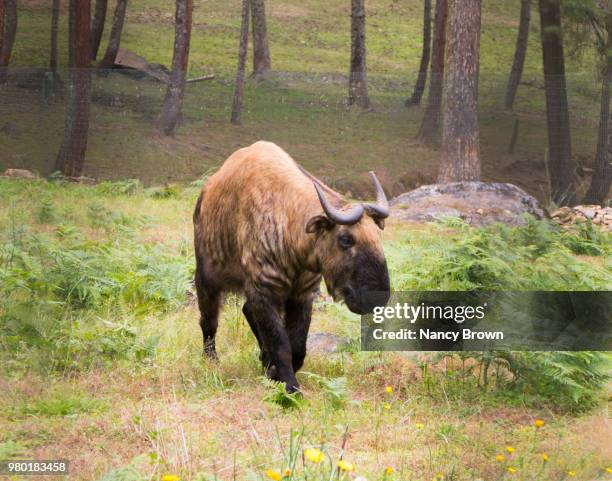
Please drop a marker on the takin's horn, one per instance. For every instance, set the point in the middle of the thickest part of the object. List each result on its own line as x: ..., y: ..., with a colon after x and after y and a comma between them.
x: 380, y: 210
x: 338, y: 216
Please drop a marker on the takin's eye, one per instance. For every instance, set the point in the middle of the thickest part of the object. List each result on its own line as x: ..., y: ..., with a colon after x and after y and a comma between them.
x: 346, y: 241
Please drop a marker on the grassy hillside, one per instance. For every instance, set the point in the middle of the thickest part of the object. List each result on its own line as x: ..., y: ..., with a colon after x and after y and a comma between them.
x: 102, y: 354
x: 301, y: 106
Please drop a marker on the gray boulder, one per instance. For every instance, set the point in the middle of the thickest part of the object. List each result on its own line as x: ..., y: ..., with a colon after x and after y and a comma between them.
x: 477, y: 203
x: 323, y: 343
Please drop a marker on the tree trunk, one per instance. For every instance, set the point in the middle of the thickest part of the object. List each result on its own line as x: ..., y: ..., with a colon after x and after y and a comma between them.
x: 261, y: 50
x: 429, y: 126
x: 97, y: 26
x: 55, y: 13
x: 115, y: 36
x: 242, y: 55
x: 358, y: 81
x: 171, y: 110
x: 561, y: 165
x: 460, y: 133
x: 419, y: 87
x: 71, y: 156
x: 602, y: 171
x: 8, y: 36
x: 2, y: 15
x: 519, y: 53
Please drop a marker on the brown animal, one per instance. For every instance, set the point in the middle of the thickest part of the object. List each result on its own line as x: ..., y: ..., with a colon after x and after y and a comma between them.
x: 267, y: 228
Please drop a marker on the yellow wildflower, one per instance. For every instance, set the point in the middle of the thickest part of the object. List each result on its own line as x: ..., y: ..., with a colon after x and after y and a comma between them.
x: 511, y: 469
x: 419, y: 425
x: 389, y: 389
x: 571, y: 473
x: 345, y: 465
x: 544, y: 457
x: 314, y: 455
x: 170, y: 477
x: 387, y: 406
x: 389, y: 470
x: 439, y: 476
x: 287, y: 472
x: 273, y: 474
x: 609, y: 470
x: 539, y: 423
x: 509, y: 449
x: 499, y: 458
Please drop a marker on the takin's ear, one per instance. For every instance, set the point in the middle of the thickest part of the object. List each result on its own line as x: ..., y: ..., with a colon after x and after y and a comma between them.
x: 380, y: 223
x: 318, y: 224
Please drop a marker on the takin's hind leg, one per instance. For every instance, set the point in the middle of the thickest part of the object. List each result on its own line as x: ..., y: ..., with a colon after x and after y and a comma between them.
x: 209, y: 302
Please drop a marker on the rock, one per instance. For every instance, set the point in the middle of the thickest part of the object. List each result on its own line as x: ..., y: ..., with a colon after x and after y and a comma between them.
x: 19, y: 174
x: 129, y: 60
x: 324, y: 343
x: 598, y: 215
x: 589, y: 211
x: 477, y: 203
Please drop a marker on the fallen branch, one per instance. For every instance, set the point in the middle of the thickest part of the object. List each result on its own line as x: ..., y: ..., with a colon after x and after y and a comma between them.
x: 200, y: 79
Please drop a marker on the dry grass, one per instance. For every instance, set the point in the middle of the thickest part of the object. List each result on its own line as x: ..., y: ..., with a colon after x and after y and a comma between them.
x: 187, y: 416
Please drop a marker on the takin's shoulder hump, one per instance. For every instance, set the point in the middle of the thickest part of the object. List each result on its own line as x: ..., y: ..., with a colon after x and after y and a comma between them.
x: 260, y: 160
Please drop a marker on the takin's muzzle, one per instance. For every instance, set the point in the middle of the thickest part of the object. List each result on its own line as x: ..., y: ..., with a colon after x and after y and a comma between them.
x: 368, y: 286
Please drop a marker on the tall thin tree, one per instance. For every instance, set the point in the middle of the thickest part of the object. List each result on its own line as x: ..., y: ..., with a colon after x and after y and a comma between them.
x: 55, y: 14
x: 358, y: 80
x: 428, y: 132
x: 460, y: 133
x: 9, y: 32
x: 242, y: 55
x: 261, y: 49
x: 97, y: 26
x: 419, y: 87
x: 520, y: 52
x: 71, y: 156
x: 602, y: 172
x: 2, y: 15
x: 108, y: 61
x: 173, y: 103
x: 561, y: 167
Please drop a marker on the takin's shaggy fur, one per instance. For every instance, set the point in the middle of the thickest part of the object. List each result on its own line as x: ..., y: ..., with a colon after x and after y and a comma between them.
x: 264, y: 229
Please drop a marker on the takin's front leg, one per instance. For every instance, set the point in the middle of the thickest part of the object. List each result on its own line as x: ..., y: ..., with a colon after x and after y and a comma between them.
x: 263, y: 356
x: 298, y: 312
x: 272, y: 335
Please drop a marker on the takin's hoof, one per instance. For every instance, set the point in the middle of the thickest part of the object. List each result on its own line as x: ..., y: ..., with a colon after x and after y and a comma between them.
x: 270, y: 371
x: 292, y: 387
x: 211, y: 354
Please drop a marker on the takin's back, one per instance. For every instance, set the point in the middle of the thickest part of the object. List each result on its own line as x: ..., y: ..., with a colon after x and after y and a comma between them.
x: 256, y: 204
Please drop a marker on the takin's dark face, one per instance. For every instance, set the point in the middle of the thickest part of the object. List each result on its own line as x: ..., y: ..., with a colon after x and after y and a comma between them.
x: 352, y: 262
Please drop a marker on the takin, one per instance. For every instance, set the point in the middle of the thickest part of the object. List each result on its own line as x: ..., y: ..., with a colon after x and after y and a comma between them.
x: 267, y: 228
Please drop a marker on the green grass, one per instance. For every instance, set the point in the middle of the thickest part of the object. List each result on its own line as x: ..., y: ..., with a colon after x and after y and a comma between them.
x: 102, y: 354
x: 59, y: 405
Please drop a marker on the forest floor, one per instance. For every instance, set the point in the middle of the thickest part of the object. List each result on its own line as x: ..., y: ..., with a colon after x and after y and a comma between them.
x: 101, y: 355
x: 300, y: 106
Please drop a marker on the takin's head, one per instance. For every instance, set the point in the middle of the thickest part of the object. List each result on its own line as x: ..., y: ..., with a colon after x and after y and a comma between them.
x: 349, y: 251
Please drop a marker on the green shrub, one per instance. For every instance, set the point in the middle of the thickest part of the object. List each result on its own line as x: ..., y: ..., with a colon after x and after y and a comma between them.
x: 125, y: 187
x: 570, y: 381
x: 561, y: 381
x: 537, y: 256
